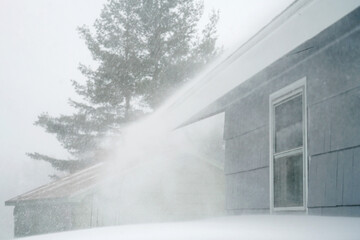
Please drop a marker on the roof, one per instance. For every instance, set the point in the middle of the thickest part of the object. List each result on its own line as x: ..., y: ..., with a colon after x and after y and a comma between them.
x: 342, y: 29
x: 64, y: 189
x: 74, y: 187
x: 301, y: 21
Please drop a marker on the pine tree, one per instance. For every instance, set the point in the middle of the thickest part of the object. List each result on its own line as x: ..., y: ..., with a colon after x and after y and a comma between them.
x: 144, y: 50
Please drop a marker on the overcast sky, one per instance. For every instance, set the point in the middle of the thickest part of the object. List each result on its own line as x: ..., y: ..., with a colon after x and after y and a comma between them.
x: 39, y: 53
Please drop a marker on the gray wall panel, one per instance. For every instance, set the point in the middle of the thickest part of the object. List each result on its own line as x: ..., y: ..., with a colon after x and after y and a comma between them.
x: 331, y: 190
x: 352, y: 178
x: 247, y: 114
x: 356, y: 175
x: 349, y: 211
x: 318, y: 129
x: 248, y: 151
x: 248, y: 190
x: 340, y: 177
x: 335, y: 69
x: 345, y: 120
x: 314, y: 211
x: 248, y: 211
x: 334, y: 178
x: 334, y: 124
x: 315, y: 188
x: 345, y: 171
x: 322, y: 180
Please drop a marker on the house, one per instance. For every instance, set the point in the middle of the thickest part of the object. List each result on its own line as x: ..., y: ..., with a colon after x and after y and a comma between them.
x: 155, y: 190
x: 152, y: 191
x: 291, y: 98
x: 61, y: 205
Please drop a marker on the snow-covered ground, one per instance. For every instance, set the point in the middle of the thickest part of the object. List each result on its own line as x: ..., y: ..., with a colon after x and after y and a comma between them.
x: 225, y: 228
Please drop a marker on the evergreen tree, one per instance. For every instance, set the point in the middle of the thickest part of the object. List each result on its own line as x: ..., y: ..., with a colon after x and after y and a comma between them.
x: 144, y: 50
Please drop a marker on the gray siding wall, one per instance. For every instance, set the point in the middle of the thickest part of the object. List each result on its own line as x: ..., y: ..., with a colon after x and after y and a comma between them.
x: 253, y: 185
x: 39, y: 219
x: 333, y: 97
x: 334, y: 178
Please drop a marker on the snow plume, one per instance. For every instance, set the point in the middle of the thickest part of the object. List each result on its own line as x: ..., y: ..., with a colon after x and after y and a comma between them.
x: 156, y: 174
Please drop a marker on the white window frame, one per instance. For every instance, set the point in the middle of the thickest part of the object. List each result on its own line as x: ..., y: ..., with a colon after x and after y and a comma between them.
x: 284, y: 94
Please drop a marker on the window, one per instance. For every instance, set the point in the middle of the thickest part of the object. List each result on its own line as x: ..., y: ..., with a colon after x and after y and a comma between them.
x: 288, y: 148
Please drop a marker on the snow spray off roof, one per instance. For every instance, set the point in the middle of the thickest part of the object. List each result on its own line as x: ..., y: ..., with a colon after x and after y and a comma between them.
x: 300, y: 22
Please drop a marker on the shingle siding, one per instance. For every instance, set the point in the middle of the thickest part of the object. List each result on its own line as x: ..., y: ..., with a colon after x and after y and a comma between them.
x: 248, y: 151
x: 351, y: 211
x: 335, y: 69
x: 248, y: 114
x: 330, y: 62
x: 248, y: 190
x: 334, y: 123
x: 323, y: 188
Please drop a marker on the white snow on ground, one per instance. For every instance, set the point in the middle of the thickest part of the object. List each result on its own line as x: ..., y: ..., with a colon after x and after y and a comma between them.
x: 225, y: 228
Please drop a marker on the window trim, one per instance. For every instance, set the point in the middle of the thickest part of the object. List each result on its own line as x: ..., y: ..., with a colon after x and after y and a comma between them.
x: 276, y: 98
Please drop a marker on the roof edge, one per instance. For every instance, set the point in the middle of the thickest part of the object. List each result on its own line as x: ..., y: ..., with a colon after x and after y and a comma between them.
x: 220, y: 80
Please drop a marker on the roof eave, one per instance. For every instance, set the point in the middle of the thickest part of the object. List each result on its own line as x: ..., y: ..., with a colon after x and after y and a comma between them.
x: 245, y: 61
x: 15, y: 202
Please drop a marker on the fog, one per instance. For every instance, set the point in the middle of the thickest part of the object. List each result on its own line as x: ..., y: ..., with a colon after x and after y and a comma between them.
x: 154, y: 175
x: 40, y: 51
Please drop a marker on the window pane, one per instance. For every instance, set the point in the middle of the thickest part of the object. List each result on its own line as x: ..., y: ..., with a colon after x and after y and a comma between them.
x: 288, y: 125
x: 288, y: 181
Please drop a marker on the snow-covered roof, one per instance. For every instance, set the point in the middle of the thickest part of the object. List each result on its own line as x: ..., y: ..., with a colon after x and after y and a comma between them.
x: 64, y: 189
x: 301, y: 21
x: 74, y: 187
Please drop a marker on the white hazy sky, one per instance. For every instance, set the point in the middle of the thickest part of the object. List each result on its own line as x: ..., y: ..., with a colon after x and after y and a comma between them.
x: 39, y: 53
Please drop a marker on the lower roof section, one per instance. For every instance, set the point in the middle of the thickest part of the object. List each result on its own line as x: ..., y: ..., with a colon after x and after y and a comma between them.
x: 63, y: 189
